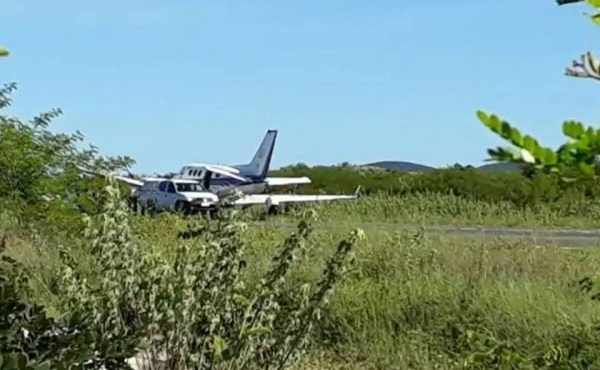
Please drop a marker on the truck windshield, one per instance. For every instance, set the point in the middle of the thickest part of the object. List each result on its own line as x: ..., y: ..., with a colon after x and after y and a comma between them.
x: 187, y: 187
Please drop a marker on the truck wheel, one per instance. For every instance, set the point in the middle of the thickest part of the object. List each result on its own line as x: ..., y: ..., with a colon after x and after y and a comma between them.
x: 213, y: 214
x: 135, y: 205
x: 151, y: 208
x: 182, y: 207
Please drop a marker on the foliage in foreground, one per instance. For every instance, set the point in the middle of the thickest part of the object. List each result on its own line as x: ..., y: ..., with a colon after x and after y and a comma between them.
x: 32, y: 340
x: 416, y: 301
x: 193, y: 311
x: 40, y: 175
x: 575, y: 159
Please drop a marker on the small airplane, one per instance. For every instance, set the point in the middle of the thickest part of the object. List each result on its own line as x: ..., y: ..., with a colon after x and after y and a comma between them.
x: 250, y: 178
x: 216, y: 185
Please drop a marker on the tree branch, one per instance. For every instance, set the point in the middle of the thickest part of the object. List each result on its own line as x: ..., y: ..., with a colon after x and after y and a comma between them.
x: 587, y: 67
x: 565, y: 2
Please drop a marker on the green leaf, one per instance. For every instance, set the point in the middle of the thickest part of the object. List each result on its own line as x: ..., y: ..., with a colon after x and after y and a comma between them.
x: 504, y: 154
x: 506, y: 130
x: 594, y: 3
x: 3, y: 52
x: 22, y: 361
x: 595, y: 18
x: 529, y: 144
x: 550, y: 157
x: 221, y: 348
x: 484, y: 118
x: 492, y: 122
x: 241, y: 299
x: 516, y: 137
x: 44, y: 366
x: 586, y: 169
x: 573, y: 129
x: 257, y: 331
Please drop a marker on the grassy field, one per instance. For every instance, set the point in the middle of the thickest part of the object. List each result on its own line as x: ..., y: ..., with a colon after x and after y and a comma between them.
x: 412, y: 300
x: 440, y: 209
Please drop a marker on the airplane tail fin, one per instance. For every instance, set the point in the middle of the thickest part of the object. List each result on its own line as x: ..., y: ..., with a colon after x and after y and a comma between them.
x: 259, y: 166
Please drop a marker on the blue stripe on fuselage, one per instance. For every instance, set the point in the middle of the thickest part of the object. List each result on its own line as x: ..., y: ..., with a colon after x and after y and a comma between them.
x: 224, y: 181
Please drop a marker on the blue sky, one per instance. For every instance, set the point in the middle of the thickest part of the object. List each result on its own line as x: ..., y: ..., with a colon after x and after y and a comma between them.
x: 170, y: 82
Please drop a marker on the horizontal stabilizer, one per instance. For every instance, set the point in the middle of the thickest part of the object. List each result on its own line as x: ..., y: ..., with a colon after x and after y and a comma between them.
x: 283, y: 181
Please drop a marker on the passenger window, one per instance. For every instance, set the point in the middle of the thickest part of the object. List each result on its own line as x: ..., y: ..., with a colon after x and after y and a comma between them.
x: 162, y: 186
x: 171, y: 188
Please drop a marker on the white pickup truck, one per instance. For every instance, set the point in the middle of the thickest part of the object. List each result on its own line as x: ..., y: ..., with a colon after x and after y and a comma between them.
x: 174, y: 195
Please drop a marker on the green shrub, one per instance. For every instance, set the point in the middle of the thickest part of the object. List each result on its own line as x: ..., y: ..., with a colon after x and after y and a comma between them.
x: 40, y: 170
x: 196, y: 310
x: 30, y: 339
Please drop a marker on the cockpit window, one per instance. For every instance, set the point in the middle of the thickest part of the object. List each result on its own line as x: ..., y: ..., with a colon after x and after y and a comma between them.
x: 188, y: 187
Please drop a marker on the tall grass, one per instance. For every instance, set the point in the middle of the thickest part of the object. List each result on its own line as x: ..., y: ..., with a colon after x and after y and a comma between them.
x: 435, y: 209
x: 421, y: 302
x: 413, y: 300
x: 414, y: 305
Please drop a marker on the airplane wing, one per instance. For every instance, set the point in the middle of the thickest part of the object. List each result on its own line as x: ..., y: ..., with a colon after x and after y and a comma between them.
x: 282, y: 181
x: 129, y: 181
x: 277, y: 199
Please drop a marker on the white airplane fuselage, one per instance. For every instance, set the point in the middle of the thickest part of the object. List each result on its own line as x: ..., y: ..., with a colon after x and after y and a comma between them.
x: 250, y: 178
x: 220, y: 183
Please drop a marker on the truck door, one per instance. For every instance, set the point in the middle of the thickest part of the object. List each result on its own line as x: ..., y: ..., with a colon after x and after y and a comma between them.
x: 170, y: 196
x: 160, y: 197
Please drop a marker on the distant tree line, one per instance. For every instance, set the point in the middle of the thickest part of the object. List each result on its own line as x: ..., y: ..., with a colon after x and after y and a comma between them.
x: 525, y: 188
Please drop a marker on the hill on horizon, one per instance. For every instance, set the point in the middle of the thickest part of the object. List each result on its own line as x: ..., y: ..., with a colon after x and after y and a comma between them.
x: 400, y: 166
x: 417, y: 167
